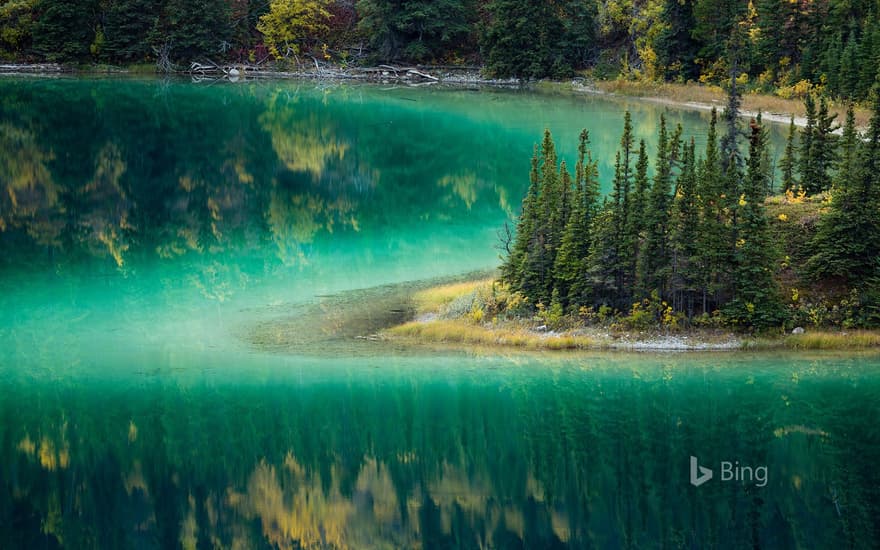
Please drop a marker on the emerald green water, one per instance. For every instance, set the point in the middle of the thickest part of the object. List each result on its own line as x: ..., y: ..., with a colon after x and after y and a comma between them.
x: 184, y: 269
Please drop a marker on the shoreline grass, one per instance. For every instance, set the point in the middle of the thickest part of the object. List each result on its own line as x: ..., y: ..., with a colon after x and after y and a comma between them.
x: 439, y: 322
x: 460, y: 332
x: 709, y: 95
x: 819, y: 339
x: 437, y: 297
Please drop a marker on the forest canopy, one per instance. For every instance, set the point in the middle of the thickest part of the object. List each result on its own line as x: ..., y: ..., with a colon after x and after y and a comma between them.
x: 830, y: 47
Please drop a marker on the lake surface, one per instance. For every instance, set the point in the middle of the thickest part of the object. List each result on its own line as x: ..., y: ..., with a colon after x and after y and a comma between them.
x: 184, y: 269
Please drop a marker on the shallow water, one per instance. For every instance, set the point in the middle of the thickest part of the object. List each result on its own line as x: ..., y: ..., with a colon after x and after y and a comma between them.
x: 180, y: 265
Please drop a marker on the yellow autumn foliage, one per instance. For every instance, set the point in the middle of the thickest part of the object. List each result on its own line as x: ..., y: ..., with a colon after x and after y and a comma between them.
x: 290, y: 22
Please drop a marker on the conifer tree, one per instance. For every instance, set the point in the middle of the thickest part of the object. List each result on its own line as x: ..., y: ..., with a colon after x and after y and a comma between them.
x: 513, y: 269
x: 604, y: 254
x: 127, y: 25
x: 623, y: 182
x: 847, y: 242
x: 560, y: 287
x: 824, y: 148
x: 610, y: 262
x: 847, y: 165
x: 847, y: 76
x: 807, y: 170
x: 788, y: 162
x: 636, y: 216
x: 571, y: 266
x: 653, y: 263
x: 817, y: 146
x: 517, y: 40
x: 418, y: 30
x: 684, y: 232
x: 675, y: 44
x: 620, y: 196
x: 539, y: 259
x: 64, y: 30
x: 756, y: 299
x: 714, y: 235
x: 868, y: 55
x: 192, y: 28
x: 640, y: 191
x: 731, y: 160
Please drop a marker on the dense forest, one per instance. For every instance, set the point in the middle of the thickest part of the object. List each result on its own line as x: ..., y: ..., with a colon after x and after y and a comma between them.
x: 693, y: 243
x: 790, y: 47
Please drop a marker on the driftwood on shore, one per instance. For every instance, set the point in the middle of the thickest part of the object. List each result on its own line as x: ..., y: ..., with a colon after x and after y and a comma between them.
x: 32, y: 68
x: 209, y: 69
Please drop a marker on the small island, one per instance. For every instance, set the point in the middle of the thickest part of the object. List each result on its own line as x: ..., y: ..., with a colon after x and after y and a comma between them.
x: 719, y: 249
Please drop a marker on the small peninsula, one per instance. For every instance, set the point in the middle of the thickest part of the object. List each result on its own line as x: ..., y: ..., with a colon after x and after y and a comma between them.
x: 714, y: 250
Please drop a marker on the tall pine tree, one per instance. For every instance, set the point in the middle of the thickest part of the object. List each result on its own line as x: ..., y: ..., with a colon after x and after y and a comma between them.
x: 788, y: 162
x: 756, y: 297
x: 847, y: 242
x: 653, y: 263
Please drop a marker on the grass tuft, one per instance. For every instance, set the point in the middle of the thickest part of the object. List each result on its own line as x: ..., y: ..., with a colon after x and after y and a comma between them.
x: 457, y: 332
x: 828, y: 340
x: 435, y: 298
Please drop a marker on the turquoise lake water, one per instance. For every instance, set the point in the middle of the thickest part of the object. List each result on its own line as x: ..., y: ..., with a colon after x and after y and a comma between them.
x: 179, y: 264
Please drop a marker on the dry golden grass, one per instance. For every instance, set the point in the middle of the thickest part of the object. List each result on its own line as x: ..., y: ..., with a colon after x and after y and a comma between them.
x: 715, y: 95
x: 830, y: 340
x: 461, y: 332
x: 434, y: 298
x: 678, y: 92
x: 819, y: 340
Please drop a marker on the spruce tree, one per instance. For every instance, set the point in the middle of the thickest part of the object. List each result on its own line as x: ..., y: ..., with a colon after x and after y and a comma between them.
x: 604, y: 253
x: 127, y: 24
x: 653, y: 263
x: 65, y: 30
x: 540, y: 254
x: 824, y: 148
x: 847, y: 242
x: 788, y: 162
x: 714, y: 235
x: 675, y: 45
x: 191, y: 29
x: 847, y: 77
x: 847, y: 165
x: 640, y: 191
x: 636, y: 217
x: 535, y: 39
x: 868, y: 55
x: 683, y: 236
x: 756, y: 297
x: 620, y: 196
x: 513, y: 270
x: 807, y: 171
x: 571, y: 259
x: 560, y: 286
x: 416, y: 30
x: 731, y: 160
x: 623, y: 176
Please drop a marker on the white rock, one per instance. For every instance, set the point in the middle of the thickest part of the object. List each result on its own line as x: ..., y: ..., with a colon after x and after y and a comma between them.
x: 798, y: 330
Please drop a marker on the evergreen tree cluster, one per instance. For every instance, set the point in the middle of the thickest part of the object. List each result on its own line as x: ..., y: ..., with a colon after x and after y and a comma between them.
x: 779, y: 45
x: 695, y: 237
x: 847, y: 242
x: 127, y: 31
